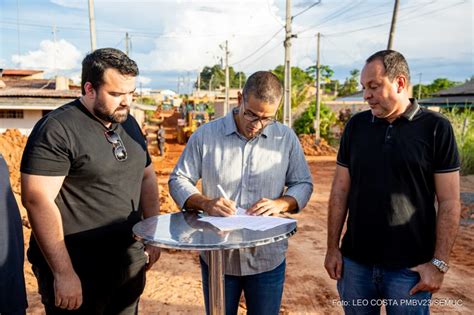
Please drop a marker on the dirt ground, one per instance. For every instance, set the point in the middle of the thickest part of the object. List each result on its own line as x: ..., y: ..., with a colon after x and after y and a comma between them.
x: 174, y: 283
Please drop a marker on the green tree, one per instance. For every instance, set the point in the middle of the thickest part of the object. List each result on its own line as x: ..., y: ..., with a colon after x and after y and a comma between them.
x: 326, y: 73
x: 351, y: 84
x: 304, y: 124
x: 433, y: 88
x: 299, y: 78
x: 218, y: 77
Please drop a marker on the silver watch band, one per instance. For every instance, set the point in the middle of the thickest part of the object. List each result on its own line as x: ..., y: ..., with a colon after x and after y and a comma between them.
x: 440, y: 265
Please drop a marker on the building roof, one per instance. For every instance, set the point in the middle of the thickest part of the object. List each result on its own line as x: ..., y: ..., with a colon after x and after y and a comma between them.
x: 463, y: 89
x: 33, y: 103
x: 456, y: 96
x: 19, y: 72
x: 356, y: 97
x: 32, y: 92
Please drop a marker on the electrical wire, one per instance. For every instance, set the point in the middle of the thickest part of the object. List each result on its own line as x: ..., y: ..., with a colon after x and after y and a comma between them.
x: 303, y: 11
x: 258, y: 49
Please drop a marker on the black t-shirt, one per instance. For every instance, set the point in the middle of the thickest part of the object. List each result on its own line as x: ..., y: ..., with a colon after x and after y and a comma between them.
x: 392, y: 217
x: 12, y: 280
x: 99, y: 198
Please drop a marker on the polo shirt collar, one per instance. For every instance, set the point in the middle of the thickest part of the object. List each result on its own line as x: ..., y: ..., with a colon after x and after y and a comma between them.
x: 409, y: 113
x: 230, y: 127
x: 412, y: 110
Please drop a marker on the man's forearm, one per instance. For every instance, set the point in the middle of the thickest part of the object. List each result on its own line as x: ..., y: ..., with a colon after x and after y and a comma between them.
x: 336, y: 217
x: 47, y: 228
x: 197, y: 202
x: 287, y: 203
x: 149, y: 197
x: 447, y: 225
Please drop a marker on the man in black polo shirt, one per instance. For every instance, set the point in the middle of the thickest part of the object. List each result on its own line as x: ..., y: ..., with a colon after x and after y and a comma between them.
x: 87, y: 179
x: 393, y: 161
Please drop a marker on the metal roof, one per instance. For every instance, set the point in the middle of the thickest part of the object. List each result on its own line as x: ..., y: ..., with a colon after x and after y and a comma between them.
x: 463, y: 89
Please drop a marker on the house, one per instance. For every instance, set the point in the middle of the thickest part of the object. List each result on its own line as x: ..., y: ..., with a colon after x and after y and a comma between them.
x: 25, y: 97
x: 354, y: 102
x: 461, y: 96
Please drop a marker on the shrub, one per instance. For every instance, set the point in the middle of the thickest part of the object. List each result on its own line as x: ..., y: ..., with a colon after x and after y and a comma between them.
x: 462, y: 121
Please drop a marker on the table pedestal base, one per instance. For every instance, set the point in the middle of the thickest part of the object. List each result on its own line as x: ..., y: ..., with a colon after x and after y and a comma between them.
x: 216, y: 283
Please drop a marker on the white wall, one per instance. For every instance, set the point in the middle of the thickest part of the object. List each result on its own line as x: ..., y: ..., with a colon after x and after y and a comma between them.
x: 24, y: 125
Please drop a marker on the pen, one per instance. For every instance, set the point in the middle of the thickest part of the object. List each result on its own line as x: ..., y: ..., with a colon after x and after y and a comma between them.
x: 222, y: 192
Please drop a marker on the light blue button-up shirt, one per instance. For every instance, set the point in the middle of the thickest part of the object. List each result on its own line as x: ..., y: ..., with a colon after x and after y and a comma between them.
x: 270, y: 165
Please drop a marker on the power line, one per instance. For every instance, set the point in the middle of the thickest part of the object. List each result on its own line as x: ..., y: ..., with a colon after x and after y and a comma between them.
x: 258, y: 49
x: 263, y: 55
x: 303, y: 11
x: 331, y: 16
x: 401, y: 20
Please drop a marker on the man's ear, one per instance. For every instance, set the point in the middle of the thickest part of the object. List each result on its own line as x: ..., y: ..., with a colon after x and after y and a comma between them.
x: 239, y: 97
x: 402, y: 83
x: 89, y: 89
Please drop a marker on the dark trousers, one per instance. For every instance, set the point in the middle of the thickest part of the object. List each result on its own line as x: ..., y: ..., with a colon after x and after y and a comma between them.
x: 263, y: 291
x: 113, y: 290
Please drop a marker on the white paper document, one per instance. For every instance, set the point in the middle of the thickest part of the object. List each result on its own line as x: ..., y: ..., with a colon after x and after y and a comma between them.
x: 243, y: 221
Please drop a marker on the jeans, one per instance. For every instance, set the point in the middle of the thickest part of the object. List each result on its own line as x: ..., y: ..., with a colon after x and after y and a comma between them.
x: 363, y: 289
x: 263, y: 291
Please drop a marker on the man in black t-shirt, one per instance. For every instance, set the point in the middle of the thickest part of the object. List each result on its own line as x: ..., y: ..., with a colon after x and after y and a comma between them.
x: 393, y: 161
x: 87, y: 179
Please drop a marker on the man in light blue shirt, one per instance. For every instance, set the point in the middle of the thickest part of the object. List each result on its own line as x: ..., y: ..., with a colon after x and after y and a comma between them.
x: 262, y: 168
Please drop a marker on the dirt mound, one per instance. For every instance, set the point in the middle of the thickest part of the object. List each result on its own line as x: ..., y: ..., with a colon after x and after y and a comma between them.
x: 12, y: 143
x: 167, y: 205
x: 311, y: 149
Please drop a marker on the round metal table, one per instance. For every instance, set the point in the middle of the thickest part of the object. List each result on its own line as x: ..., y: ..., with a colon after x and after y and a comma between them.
x: 182, y: 230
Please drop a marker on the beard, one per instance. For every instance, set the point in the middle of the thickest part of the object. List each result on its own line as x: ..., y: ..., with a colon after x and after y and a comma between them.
x: 119, y: 115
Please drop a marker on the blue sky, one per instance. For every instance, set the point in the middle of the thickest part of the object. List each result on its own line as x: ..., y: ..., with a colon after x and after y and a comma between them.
x: 175, y: 39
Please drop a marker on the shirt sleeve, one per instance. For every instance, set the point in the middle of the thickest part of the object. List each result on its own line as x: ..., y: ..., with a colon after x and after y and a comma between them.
x: 47, y: 151
x: 298, y: 176
x: 446, y: 151
x: 343, y: 153
x: 187, y: 172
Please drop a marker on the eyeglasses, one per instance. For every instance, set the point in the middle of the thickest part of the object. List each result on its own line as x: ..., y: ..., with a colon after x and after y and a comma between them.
x: 252, y: 118
x: 119, y: 150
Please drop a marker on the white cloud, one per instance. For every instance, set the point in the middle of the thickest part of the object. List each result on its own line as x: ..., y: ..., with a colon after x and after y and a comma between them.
x: 192, y: 41
x: 75, y: 4
x: 51, y: 56
x: 143, y: 80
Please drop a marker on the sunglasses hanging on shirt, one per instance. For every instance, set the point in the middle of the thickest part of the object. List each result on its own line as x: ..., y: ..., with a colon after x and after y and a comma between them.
x: 119, y: 150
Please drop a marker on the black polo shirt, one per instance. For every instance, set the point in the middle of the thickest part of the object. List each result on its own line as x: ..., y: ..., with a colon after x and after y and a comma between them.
x: 392, y: 217
x: 100, y: 196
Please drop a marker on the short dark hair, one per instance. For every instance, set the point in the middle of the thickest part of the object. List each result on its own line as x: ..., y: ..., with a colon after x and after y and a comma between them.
x: 95, y: 64
x: 394, y: 62
x: 264, y: 86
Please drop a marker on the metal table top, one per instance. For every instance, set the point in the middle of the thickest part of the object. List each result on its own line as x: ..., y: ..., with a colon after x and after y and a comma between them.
x: 182, y: 230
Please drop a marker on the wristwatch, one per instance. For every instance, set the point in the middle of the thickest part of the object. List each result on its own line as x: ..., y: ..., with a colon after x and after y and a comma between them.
x: 441, y: 265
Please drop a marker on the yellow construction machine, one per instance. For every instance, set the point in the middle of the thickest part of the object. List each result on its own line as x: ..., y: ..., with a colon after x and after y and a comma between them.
x: 194, y: 115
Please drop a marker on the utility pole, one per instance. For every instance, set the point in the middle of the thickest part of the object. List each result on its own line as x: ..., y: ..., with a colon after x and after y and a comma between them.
x: 18, y: 25
x: 92, y: 25
x: 199, y: 84
x: 226, y: 103
x: 210, y: 84
x: 419, y: 87
x: 127, y: 39
x: 287, y: 80
x: 240, y: 80
x: 316, y: 123
x: 392, y: 27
